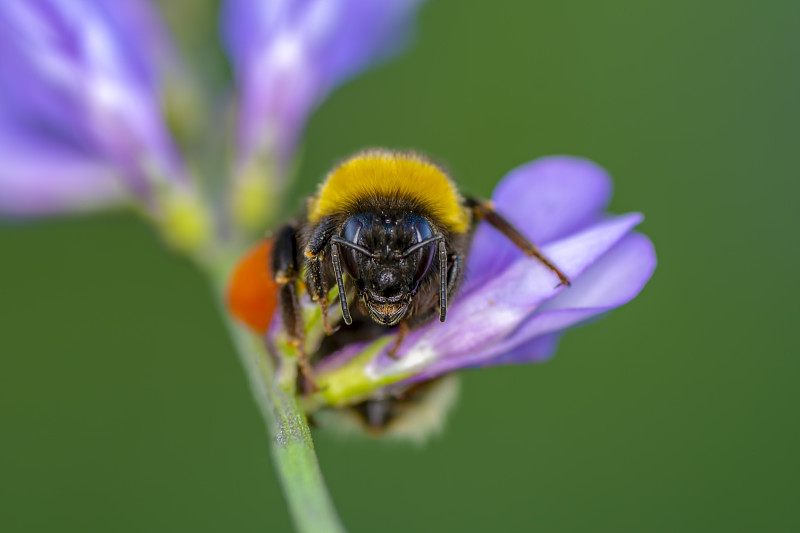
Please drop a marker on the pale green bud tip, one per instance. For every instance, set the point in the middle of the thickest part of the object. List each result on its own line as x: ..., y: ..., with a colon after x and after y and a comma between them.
x: 185, y: 221
x: 254, y: 197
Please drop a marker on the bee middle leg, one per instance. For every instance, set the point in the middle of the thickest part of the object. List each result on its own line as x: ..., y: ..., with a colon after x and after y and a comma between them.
x: 485, y: 211
x: 285, y: 269
x: 402, y: 330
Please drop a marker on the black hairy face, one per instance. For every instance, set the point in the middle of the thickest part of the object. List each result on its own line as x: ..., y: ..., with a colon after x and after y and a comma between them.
x: 387, y: 278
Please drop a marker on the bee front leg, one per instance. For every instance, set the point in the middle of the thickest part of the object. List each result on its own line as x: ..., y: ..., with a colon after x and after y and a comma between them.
x: 318, y: 283
x: 319, y: 290
x: 284, y: 265
x: 485, y: 211
x: 454, y: 273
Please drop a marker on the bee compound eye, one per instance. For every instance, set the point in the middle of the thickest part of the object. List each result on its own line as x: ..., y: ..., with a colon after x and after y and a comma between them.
x: 423, y: 230
x: 352, y: 233
x: 425, y: 261
x: 351, y: 262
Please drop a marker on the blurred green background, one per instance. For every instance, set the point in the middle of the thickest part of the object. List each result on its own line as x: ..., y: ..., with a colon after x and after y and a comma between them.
x: 123, y: 406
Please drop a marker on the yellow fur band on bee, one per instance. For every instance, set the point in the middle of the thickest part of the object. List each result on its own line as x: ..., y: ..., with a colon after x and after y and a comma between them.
x: 386, y: 173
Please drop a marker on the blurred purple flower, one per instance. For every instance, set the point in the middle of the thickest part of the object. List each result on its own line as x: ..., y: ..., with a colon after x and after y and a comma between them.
x: 509, y: 310
x: 289, y: 54
x: 81, y: 83
x: 80, y: 118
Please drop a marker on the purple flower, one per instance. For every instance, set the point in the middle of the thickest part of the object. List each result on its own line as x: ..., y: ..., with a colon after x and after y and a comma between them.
x: 80, y: 117
x: 288, y: 55
x: 510, y: 310
x: 82, y: 126
x: 83, y: 84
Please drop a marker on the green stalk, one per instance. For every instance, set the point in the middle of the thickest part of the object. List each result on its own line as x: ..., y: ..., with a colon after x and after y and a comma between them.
x: 310, y: 504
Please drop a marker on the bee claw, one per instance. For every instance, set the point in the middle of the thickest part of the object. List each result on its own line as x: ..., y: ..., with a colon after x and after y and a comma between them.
x: 326, y: 326
x: 564, y: 282
x: 309, y: 384
x: 329, y: 330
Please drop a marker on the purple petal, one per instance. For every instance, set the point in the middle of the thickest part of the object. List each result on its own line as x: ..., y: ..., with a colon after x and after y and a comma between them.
x: 546, y: 199
x: 478, y: 320
x: 288, y: 55
x: 82, y: 77
x: 142, y: 37
x: 36, y: 183
x: 534, y: 350
x: 616, y: 278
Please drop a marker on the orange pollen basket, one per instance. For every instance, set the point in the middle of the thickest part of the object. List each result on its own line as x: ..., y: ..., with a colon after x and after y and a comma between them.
x: 252, y: 291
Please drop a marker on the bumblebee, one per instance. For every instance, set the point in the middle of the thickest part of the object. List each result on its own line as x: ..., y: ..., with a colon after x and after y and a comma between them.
x: 391, y: 231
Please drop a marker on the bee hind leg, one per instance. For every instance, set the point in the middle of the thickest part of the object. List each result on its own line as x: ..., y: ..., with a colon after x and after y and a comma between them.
x: 485, y: 211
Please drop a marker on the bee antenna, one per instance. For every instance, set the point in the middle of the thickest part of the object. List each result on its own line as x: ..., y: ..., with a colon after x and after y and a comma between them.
x: 337, y: 270
x: 413, y: 248
x: 442, y: 281
x: 356, y: 247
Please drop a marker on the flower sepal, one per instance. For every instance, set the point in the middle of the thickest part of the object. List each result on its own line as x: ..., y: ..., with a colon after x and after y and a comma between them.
x: 255, y: 194
x: 353, y: 382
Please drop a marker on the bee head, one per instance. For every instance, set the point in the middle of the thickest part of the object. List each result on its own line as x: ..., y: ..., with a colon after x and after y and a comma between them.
x: 388, y: 256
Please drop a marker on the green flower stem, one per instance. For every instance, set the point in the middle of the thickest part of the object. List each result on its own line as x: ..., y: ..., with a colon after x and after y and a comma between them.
x: 309, y: 502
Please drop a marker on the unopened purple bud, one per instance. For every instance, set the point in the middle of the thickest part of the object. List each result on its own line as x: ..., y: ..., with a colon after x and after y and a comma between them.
x: 80, y: 117
x: 288, y: 55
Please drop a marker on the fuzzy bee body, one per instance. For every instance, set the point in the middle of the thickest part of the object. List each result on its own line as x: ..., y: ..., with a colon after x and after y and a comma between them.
x: 392, y: 231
